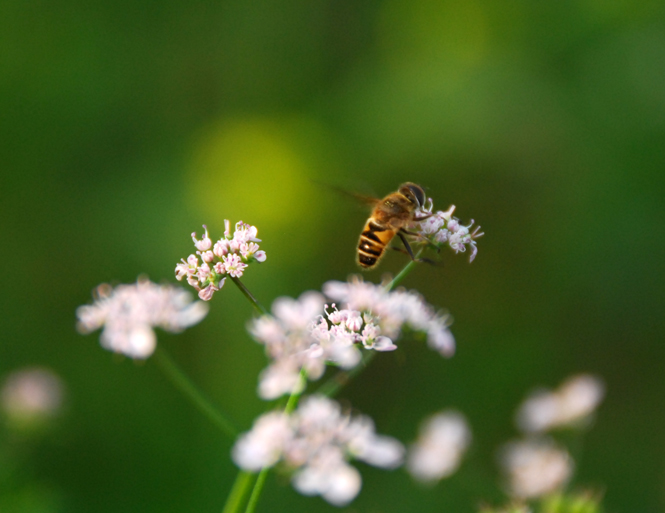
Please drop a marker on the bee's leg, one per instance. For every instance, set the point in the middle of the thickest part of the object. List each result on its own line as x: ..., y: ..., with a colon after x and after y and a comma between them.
x: 429, y: 243
x: 410, y: 251
x: 406, y: 244
x: 422, y: 260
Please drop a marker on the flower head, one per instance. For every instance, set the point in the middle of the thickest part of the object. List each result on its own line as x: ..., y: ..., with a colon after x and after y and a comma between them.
x: 535, y: 467
x: 128, y: 314
x: 307, y: 333
x: 393, y: 310
x: 229, y: 256
x: 314, y: 444
x: 441, y: 228
x: 297, y: 336
x: 442, y: 441
x: 572, y: 404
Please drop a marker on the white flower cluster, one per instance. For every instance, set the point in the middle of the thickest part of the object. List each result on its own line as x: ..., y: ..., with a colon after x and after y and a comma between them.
x: 229, y: 256
x: 442, y: 441
x: 315, y: 443
x: 439, y: 228
x: 129, y: 312
x: 394, y: 310
x: 297, y: 336
x: 291, y: 346
x: 535, y: 467
x: 571, y: 404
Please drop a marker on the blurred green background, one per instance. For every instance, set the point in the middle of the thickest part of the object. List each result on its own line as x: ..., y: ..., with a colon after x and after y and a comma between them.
x: 124, y: 126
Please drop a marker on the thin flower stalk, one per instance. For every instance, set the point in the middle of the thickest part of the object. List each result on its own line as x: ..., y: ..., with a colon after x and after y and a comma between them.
x: 191, y: 391
x: 245, y: 291
x: 242, y: 483
x: 238, y: 492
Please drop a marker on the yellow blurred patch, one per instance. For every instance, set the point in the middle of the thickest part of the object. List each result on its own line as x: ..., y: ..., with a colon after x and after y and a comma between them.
x: 249, y: 170
x: 260, y: 170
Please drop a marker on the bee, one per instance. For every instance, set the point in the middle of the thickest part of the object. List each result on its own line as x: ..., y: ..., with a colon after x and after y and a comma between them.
x: 389, y: 218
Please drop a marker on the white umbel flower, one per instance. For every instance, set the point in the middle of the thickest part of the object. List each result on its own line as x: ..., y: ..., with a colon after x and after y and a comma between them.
x: 316, y: 443
x: 393, y: 310
x: 535, y: 468
x: 571, y: 404
x: 128, y: 314
x: 442, y: 441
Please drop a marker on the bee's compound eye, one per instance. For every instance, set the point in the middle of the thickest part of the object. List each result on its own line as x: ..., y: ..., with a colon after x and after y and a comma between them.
x: 418, y: 193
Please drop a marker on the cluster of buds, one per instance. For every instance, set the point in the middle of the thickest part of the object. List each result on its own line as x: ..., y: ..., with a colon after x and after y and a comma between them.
x: 440, y: 228
x: 229, y: 256
x: 306, y: 334
x: 128, y: 314
x: 314, y: 444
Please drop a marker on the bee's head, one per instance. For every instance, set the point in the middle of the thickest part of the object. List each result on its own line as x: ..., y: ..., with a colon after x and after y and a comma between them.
x: 414, y: 192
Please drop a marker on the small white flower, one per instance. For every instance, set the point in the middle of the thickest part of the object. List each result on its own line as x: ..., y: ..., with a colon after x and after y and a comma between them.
x: 442, y: 442
x: 205, y: 243
x: 221, y: 248
x: 188, y: 268
x: 129, y: 312
x: 535, y: 468
x: 233, y: 265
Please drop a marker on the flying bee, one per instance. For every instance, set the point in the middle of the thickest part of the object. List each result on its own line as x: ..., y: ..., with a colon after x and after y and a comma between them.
x: 389, y: 218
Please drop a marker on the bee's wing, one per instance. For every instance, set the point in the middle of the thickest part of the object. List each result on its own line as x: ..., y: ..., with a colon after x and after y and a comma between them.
x: 367, y: 200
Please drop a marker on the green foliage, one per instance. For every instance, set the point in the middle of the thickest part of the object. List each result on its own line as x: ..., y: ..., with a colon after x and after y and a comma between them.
x: 578, y: 502
x: 127, y: 125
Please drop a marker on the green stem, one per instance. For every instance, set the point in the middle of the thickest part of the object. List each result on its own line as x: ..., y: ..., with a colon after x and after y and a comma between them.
x: 258, y: 488
x: 403, y: 273
x: 258, y: 306
x: 263, y: 475
x: 293, y: 398
x: 240, y: 488
x: 185, y: 385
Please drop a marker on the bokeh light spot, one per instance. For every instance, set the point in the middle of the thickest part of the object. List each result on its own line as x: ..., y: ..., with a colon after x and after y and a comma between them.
x: 248, y: 169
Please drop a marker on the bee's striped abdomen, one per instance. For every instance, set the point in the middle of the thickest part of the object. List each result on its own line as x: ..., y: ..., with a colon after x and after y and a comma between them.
x: 372, y: 243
